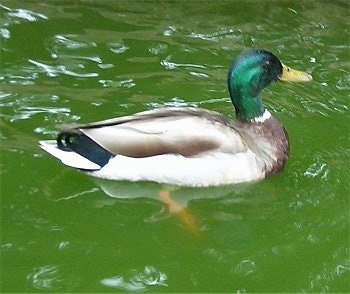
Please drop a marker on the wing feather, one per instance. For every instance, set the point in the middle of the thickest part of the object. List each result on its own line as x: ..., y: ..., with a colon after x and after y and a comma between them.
x: 185, y: 131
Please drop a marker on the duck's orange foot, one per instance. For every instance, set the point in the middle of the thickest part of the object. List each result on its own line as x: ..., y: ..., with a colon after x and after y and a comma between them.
x: 175, y: 208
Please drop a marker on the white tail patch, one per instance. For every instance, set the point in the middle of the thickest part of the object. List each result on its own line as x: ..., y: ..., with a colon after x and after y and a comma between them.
x: 68, y: 158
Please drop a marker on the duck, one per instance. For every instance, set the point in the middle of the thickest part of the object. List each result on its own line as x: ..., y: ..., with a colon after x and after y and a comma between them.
x: 188, y: 146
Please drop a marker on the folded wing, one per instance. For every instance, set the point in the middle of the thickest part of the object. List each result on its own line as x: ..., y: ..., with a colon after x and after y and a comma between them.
x: 189, y: 132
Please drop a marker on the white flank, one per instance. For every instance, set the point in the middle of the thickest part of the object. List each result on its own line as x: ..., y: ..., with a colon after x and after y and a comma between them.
x: 71, y: 159
x: 208, y: 170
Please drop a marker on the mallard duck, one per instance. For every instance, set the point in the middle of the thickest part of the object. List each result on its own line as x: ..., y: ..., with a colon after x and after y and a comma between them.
x: 188, y: 146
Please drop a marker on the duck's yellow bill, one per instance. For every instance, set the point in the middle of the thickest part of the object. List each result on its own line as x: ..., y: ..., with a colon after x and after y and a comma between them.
x: 293, y: 75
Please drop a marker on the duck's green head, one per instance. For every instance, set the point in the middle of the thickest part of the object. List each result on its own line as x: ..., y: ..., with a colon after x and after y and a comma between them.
x: 252, y: 71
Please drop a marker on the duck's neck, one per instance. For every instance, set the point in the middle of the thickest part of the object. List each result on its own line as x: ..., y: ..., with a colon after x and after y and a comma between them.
x: 244, y: 87
x: 248, y: 107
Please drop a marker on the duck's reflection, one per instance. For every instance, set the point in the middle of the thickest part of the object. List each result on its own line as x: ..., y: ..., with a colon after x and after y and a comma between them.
x: 176, y: 200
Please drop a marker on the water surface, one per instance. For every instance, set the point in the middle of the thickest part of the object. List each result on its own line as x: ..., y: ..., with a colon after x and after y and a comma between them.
x: 62, y: 231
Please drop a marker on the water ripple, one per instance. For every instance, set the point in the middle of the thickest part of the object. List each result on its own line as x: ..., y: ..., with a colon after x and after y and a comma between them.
x: 53, y: 71
x: 174, y: 102
x: 320, y: 281
x: 214, y: 36
x: 246, y: 267
x: 137, y: 281
x: 128, y: 83
x: 14, y: 108
x: 61, y: 41
x: 118, y: 48
x: 46, y: 277
x: 5, y: 33
x: 24, y: 14
x: 28, y: 111
x: 172, y: 65
x: 317, y: 169
x: 158, y: 48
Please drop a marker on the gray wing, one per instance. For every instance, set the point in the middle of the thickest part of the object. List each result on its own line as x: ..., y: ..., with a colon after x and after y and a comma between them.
x: 186, y: 131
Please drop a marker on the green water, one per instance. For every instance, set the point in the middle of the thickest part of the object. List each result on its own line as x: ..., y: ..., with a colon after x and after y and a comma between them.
x: 81, y: 61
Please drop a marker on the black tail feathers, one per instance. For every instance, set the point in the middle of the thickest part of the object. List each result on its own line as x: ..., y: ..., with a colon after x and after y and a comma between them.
x: 84, y: 146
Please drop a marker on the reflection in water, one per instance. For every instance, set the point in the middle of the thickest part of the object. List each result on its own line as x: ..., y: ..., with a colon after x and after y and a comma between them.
x: 137, y: 281
x: 169, y: 200
x: 182, y: 195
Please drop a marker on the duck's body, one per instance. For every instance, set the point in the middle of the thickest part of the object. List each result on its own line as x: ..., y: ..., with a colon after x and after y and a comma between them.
x: 180, y: 146
x: 185, y: 146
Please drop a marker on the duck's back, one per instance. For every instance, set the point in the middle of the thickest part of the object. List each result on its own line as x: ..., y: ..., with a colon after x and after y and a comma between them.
x: 185, y: 131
